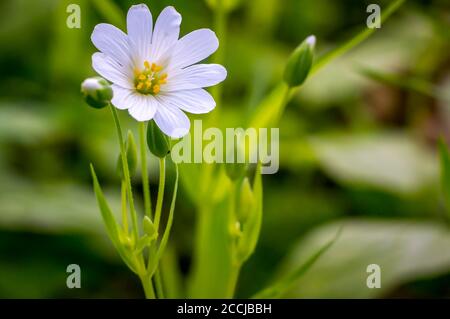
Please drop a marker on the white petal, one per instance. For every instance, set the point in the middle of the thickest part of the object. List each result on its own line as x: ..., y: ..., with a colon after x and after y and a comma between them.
x: 124, y: 98
x: 113, y: 42
x: 193, y: 48
x: 140, y: 28
x: 193, y: 101
x: 172, y: 121
x: 111, y: 70
x: 145, y: 107
x: 195, y: 77
x: 166, y: 33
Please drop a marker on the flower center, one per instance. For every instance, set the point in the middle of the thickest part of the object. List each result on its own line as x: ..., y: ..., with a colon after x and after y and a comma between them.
x: 150, y: 79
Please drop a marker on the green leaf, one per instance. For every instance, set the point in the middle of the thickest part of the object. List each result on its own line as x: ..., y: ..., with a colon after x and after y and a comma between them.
x: 110, y: 11
x: 226, y: 5
x: 252, y: 227
x: 408, y: 83
x: 391, y: 161
x: 111, y: 224
x: 268, y: 112
x: 213, y: 266
x: 445, y: 173
x: 282, y: 286
x: 405, y: 251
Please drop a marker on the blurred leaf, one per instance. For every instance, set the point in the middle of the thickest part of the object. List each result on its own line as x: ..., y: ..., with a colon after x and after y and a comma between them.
x: 389, y: 161
x: 270, y: 109
x: 22, y: 124
x: 47, y: 207
x: 445, y: 173
x: 111, y: 12
x: 213, y: 261
x: 226, y: 5
x: 283, y: 285
x: 409, y: 83
x: 404, y: 250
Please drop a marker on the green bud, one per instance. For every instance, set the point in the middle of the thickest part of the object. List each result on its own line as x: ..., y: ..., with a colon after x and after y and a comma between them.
x: 300, y: 63
x: 247, y: 201
x: 158, y: 143
x: 131, y: 152
x: 226, y: 5
x: 149, y: 227
x: 97, y: 92
x: 236, y: 170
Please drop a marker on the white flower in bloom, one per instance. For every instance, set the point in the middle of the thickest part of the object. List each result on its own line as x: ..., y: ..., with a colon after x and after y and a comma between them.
x: 154, y: 74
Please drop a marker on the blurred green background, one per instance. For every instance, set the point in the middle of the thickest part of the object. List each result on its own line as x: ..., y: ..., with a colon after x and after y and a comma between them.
x: 358, y: 149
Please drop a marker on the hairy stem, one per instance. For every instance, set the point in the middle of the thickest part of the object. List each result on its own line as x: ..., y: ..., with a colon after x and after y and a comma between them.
x: 126, y: 172
x: 145, y: 183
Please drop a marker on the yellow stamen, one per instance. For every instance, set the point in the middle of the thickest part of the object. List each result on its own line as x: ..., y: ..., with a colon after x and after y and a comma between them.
x: 149, y: 79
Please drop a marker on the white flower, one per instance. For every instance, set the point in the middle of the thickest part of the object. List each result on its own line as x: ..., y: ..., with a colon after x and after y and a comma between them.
x: 154, y: 74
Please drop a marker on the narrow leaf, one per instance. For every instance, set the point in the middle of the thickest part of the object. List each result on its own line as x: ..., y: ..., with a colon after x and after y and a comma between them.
x: 282, y: 286
x: 110, y: 222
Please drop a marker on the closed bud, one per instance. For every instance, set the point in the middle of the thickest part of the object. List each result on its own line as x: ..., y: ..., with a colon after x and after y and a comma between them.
x: 300, y: 63
x: 131, y: 152
x: 158, y: 143
x: 97, y: 92
x: 233, y: 166
x: 247, y: 201
x: 149, y: 227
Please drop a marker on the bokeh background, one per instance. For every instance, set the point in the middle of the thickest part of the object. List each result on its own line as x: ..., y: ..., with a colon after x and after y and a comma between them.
x: 358, y: 149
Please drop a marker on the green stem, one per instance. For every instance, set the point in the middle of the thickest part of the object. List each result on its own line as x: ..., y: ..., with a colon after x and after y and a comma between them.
x: 235, y: 268
x: 158, y: 284
x: 124, y: 207
x: 126, y: 172
x: 286, y: 98
x: 360, y: 37
x: 162, y: 246
x: 148, y: 287
x: 159, y: 200
x: 145, y: 183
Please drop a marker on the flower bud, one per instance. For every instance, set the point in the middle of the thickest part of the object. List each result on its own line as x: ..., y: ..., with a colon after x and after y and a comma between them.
x: 246, y: 201
x: 233, y: 168
x: 149, y: 227
x: 131, y: 152
x: 158, y: 143
x: 300, y: 63
x: 97, y: 92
